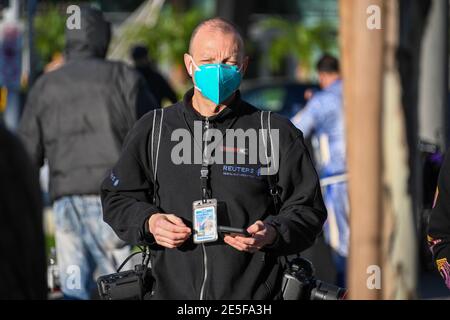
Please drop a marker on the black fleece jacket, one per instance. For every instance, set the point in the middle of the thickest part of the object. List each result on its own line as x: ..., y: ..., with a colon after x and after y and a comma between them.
x: 243, y: 196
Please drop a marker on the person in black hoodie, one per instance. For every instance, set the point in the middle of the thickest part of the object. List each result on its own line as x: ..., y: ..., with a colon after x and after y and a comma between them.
x: 149, y: 200
x: 439, y: 224
x: 77, y: 118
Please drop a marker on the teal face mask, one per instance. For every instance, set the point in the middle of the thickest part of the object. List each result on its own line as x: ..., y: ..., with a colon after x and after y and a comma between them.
x: 217, y: 82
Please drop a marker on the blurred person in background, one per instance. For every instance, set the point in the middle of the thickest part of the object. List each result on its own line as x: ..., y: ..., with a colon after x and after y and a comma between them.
x: 22, y: 249
x: 323, y: 118
x: 77, y: 117
x: 159, y: 86
x: 439, y: 224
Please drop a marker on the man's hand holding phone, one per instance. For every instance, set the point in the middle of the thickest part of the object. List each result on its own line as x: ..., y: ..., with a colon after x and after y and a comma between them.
x: 260, y: 235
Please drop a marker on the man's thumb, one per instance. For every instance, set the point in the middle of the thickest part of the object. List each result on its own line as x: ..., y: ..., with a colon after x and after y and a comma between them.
x: 256, y: 227
x: 175, y: 220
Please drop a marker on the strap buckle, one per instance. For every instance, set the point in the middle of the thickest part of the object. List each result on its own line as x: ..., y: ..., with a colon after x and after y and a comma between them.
x: 204, y: 173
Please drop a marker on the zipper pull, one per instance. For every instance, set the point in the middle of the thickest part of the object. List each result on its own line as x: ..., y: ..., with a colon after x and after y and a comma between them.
x: 205, y: 144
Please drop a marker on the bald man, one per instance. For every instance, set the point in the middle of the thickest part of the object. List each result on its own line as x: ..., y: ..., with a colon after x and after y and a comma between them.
x: 179, y: 202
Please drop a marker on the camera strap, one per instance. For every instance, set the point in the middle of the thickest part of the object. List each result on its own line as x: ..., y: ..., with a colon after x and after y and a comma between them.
x: 155, y: 142
x: 272, y: 178
x: 154, y: 145
x: 158, y: 116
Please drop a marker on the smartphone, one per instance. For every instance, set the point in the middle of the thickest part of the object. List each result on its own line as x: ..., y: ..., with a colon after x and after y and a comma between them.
x: 234, y: 231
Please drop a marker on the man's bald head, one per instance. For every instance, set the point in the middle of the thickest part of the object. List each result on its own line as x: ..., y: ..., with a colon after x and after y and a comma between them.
x: 218, y: 25
x: 215, y: 41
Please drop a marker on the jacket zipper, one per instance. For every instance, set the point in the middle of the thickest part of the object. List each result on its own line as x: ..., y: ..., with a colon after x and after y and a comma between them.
x: 205, y: 256
x: 205, y: 274
x: 205, y: 128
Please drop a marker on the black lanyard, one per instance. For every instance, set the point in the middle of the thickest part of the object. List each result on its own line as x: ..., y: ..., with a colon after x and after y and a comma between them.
x: 204, y: 171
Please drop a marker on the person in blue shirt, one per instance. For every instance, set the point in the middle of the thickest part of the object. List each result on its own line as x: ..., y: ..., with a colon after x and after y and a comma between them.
x: 323, y: 119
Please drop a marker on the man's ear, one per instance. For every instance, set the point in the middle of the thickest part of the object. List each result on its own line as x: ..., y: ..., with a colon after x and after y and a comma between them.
x: 188, y: 64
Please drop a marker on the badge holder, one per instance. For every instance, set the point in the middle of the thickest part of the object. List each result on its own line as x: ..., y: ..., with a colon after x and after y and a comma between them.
x: 205, y: 220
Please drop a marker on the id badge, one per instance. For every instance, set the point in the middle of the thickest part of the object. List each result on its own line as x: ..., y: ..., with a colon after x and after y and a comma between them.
x: 205, y: 221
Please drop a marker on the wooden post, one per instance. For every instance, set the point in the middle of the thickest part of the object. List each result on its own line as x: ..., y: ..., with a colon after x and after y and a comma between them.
x: 362, y: 67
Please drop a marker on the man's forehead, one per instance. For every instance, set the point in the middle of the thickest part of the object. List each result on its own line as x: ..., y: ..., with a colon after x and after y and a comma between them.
x: 209, y: 49
x: 209, y: 41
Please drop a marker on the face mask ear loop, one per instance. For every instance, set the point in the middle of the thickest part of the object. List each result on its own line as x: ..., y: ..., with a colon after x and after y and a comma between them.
x: 240, y: 69
x: 195, y: 65
x: 192, y: 73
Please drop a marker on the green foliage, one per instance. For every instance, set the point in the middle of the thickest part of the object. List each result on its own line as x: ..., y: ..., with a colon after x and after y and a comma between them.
x: 168, y: 40
x: 50, y: 243
x: 49, y: 33
x: 299, y: 41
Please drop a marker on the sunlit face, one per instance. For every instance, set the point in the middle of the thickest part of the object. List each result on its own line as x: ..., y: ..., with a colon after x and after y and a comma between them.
x: 322, y: 80
x: 327, y: 78
x: 214, y: 46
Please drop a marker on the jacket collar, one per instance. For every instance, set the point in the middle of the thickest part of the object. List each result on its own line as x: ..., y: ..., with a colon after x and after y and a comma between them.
x: 225, y: 117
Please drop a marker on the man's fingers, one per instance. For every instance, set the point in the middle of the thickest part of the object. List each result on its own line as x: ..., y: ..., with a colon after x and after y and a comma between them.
x: 239, y: 245
x: 235, y: 244
x: 171, y: 235
x: 168, y: 222
x: 175, y: 220
x: 165, y: 241
x: 256, y: 227
x: 251, y: 244
x: 246, y: 240
x: 169, y: 226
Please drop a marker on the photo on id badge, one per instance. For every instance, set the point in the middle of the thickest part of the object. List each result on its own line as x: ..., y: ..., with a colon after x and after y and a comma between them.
x: 205, y: 221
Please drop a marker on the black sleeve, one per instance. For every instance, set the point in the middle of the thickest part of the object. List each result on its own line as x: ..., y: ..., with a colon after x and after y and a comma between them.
x: 439, y: 225
x: 127, y: 191
x: 30, y: 130
x: 303, y: 212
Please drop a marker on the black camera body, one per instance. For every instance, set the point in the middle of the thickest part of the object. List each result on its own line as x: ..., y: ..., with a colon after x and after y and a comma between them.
x: 126, y: 285
x: 299, y: 283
